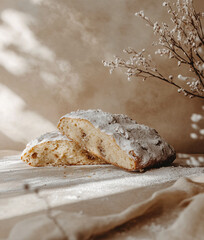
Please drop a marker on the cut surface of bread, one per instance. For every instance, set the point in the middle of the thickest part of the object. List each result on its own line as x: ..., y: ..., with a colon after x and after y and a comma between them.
x: 117, y: 139
x: 57, y: 150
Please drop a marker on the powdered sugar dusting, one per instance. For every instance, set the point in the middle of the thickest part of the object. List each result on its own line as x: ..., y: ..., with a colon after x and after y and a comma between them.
x: 135, y: 139
x: 50, y: 136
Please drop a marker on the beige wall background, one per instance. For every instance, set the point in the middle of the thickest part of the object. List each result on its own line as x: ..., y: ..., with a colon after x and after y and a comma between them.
x: 51, y: 56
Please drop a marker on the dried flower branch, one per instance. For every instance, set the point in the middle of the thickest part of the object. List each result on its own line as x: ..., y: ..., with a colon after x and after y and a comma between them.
x: 183, y: 43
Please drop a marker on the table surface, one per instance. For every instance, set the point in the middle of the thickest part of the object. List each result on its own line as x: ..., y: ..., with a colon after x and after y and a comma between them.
x: 94, y: 190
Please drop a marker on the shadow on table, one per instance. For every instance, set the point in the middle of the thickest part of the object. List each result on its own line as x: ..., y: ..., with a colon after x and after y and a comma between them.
x: 16, y: 176
x: 111, y: 204
x: 33, y: 179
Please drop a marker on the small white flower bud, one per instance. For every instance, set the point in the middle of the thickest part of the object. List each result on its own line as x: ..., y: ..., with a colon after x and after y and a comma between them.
x: 179, y: 90
x: 196, y: 117
x: 194, y: 135
x: 171, y: 77
x: 194, y: 126
x: 180, y: 77
x: 201, y: 131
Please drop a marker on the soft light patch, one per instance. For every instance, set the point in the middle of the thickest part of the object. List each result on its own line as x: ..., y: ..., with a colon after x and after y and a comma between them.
x: 16, y: 122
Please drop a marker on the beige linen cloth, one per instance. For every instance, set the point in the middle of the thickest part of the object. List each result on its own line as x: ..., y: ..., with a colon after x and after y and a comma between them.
x: 162, y: 209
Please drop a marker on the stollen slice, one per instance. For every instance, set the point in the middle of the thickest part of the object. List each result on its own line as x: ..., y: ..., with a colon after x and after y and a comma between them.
x: 56, y: 149
x: 117, y: 139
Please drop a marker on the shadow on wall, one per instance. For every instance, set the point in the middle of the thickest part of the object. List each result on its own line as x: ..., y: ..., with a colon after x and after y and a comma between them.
x: 7, y: 142
x: 32, y: 74
x: 32, y: 69
x: 17, y: 122
x: 21, y: 53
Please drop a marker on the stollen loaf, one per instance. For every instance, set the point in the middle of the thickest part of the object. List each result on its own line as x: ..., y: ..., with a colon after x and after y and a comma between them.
x: 117, y: 139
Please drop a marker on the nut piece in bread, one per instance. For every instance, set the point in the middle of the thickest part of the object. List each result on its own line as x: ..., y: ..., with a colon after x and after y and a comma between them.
x: 57, y: 150
x: 117, y: 139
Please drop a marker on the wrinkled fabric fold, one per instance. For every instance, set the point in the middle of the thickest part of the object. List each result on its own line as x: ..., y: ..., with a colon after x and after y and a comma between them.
x: 185, y: 197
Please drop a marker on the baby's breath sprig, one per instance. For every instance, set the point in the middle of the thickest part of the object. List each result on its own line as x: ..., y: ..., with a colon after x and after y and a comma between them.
x: 184, y: 43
